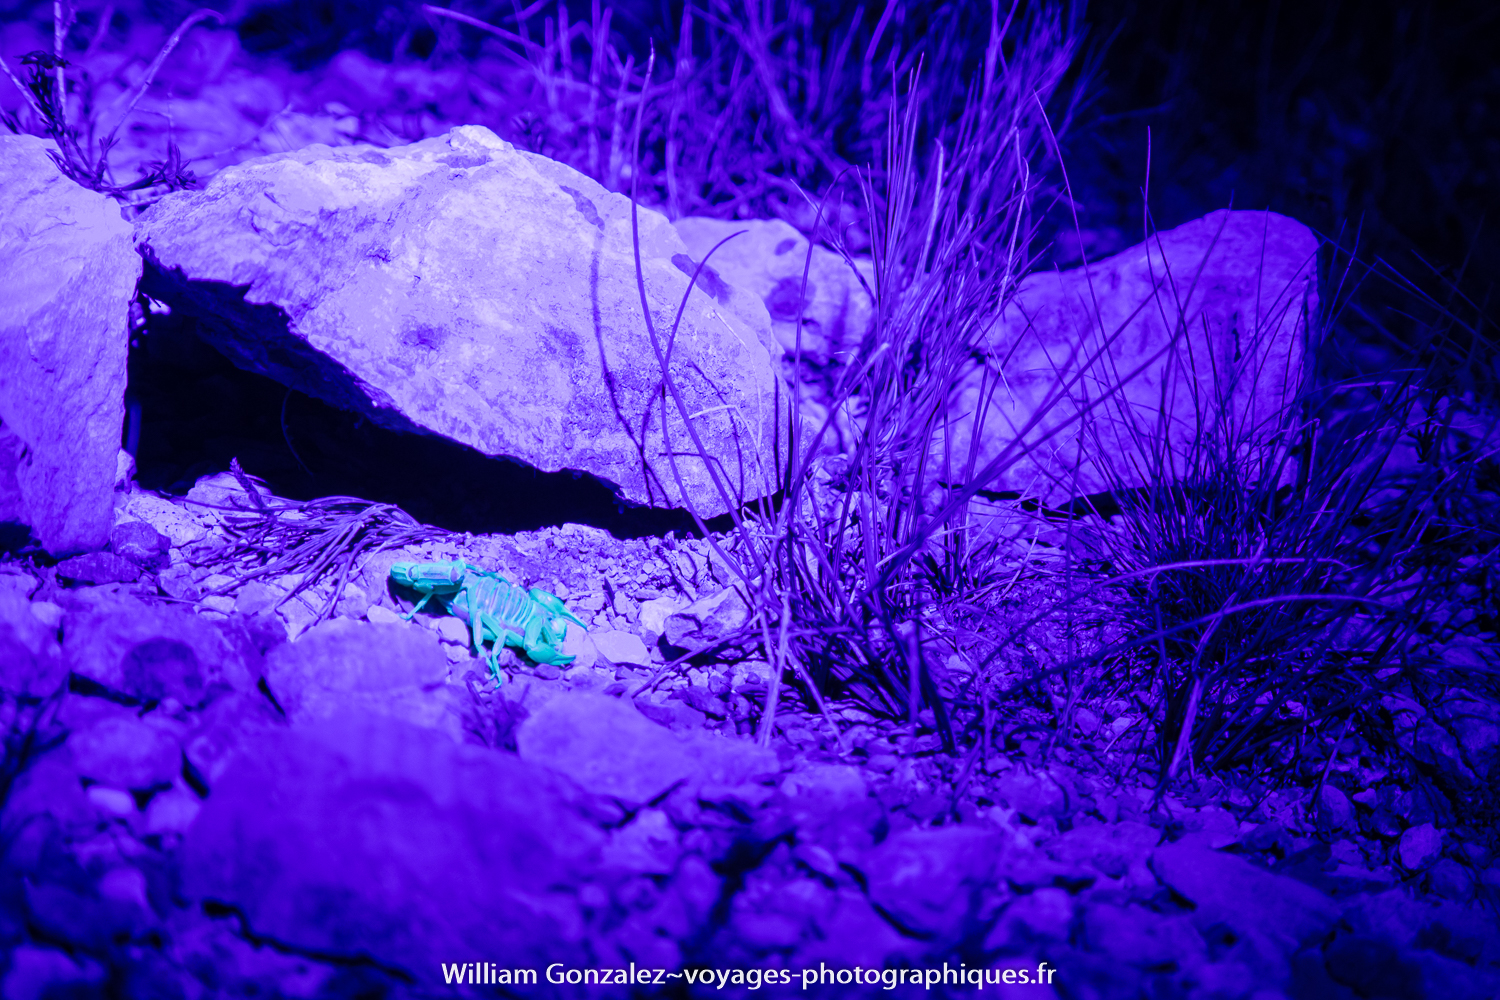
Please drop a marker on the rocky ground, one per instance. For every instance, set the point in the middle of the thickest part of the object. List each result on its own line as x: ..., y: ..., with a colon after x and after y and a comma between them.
x: 214, y: 796
x: 221, y: 787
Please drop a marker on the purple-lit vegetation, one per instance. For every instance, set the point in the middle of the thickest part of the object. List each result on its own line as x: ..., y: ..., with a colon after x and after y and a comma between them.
x: 82, y: 153
x: 857, y: 549
x: 1278, y: 585
x: 1278, y: 602
x: 1258, y: 597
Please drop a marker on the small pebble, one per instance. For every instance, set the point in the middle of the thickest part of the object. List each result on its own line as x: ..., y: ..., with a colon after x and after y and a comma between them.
x: 451, y: 629
x: 222, y: 603
x: 115, y: 801
x: 381, y: 615
x: 47, y: 613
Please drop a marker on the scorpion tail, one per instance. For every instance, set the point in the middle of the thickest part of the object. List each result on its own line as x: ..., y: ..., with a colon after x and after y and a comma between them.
x: 554, y: 606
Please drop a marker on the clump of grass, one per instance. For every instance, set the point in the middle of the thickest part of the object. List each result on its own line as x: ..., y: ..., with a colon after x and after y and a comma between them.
x: 1278, y: 585
x: 758, y: 105
x: 1262, y: 593
x: 846, y: 575
x: 82, y: 155
x: 314, y: 540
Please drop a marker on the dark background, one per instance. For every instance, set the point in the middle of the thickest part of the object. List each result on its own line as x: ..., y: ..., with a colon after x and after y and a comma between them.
x: 1375, y: 123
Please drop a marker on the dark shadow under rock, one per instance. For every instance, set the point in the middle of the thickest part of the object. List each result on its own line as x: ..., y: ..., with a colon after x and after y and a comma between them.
x: 196, y: 411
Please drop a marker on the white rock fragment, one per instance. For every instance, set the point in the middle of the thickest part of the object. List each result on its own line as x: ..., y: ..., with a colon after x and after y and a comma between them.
x: 707, y: 620
x: 451, y: 629
x: 654, y: 613
x: 621, y: 648
x: 168, y: 518
x: 580, y: 645
x: 47, y: 613
x: 380, y: 615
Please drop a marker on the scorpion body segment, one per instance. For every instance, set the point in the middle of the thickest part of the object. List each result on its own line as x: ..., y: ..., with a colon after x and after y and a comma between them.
x: 496, y: 610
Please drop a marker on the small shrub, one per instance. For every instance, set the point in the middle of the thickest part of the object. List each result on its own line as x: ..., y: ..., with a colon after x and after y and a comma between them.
x: 81, y: 156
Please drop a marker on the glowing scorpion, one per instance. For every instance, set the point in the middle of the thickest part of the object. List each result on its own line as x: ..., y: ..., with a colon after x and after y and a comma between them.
x: 496, y: 610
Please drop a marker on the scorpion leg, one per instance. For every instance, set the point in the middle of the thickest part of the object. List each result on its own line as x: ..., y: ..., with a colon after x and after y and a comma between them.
x: 483, y: 621
x: 476, y: 630
x: 420, y: 605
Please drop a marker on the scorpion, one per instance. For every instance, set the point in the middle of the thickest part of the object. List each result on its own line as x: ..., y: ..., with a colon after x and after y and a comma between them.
x: 495, y: 610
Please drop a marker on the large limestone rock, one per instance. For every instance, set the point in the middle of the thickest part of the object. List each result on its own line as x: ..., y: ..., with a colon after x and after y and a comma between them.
x: 1213, y: 314
x: 763, y: 264
x: 68, y: 274
x: 767, y: 258
x: 461, y: 287
x: 365, y: 836
x: 609, y: 748
x: 395, y: 669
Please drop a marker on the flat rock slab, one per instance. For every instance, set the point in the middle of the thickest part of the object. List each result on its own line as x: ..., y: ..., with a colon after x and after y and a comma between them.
x: 1251, y: 900
x: 69, y: 273
x: 369, y: 837
x: 1212, y: 315
x: 151, y: 651
x: 94, y: 568
x: 620, y: 648
x: 463, y: 288
x: 395, y: 669
x: 611, y: 749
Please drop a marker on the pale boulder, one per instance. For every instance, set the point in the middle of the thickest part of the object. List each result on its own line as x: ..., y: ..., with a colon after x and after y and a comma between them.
x: 610, y: 748
x: 579, y: 644
x: 620, y: 648
x: 767, y: 258
x: 655, y: 612
x: 463, y: 288
x: 68, y: 273
x: 1213, y: 314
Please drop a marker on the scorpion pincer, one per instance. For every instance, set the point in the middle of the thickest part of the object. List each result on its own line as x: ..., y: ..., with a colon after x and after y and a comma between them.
x: 496, y: 610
